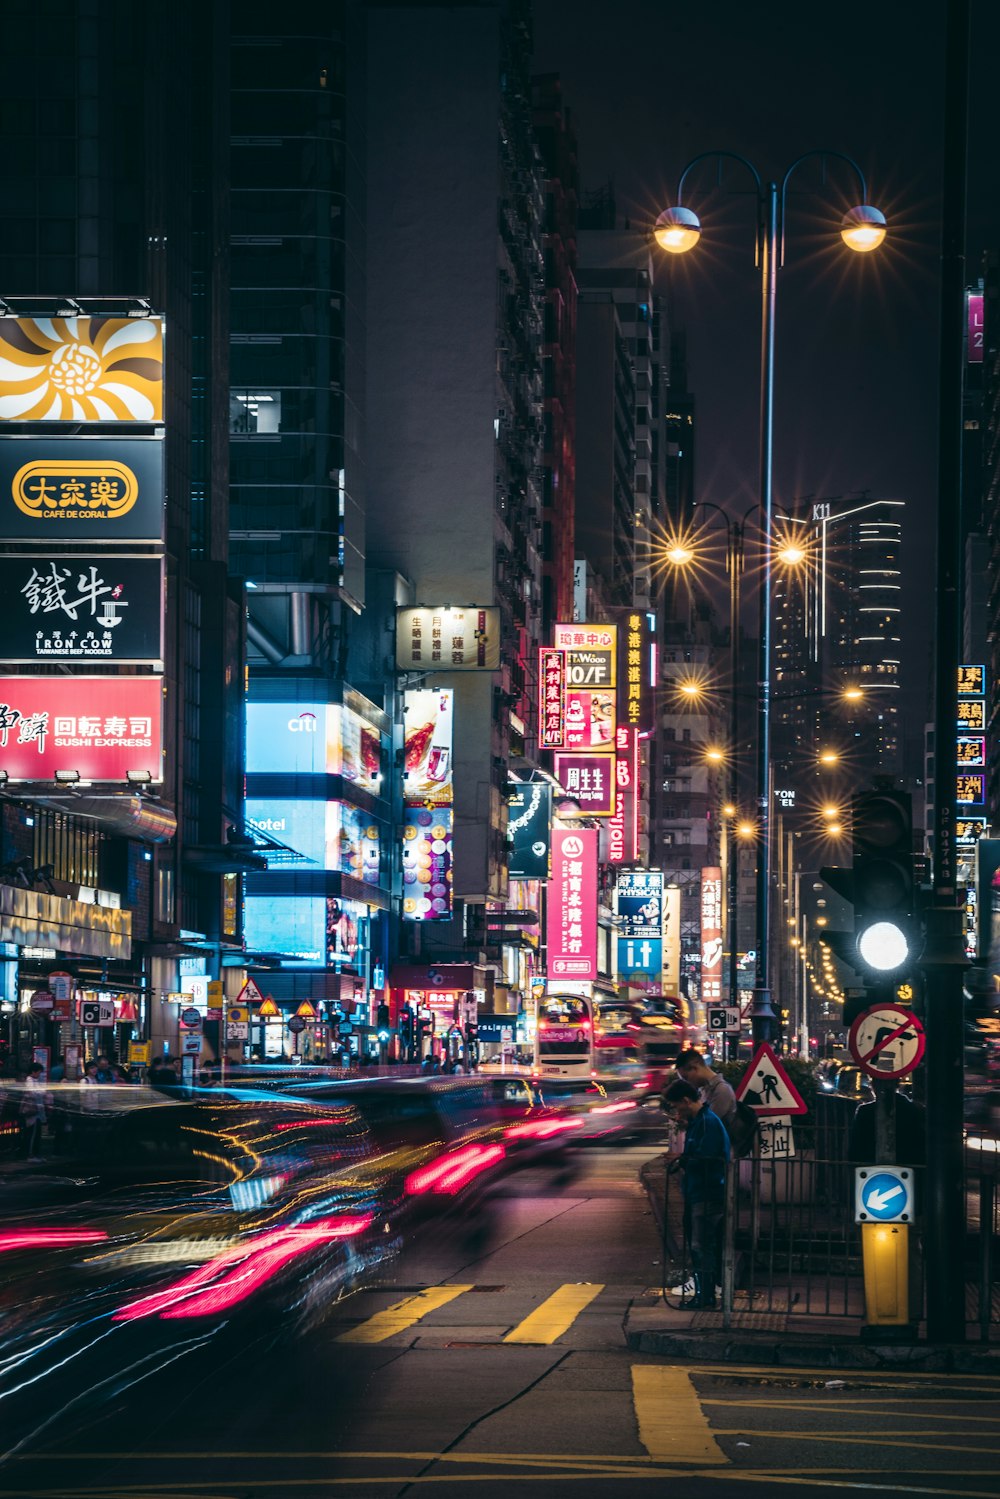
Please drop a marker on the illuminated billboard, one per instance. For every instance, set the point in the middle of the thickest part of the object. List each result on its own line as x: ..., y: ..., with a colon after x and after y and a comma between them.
x: 81, y: 369
x: 330, y: 835
x: 313, y: 738
x: 99, y: 727
x: 105, y: 607
x: 427, y: 856
x: 452, y: 639
x: 83, y: 489
x: 529, y: 818
x: 588, y: 780
x: 551, y: 707
x: 571, y: 924
x: 711, y: 936
x: 315, y: 931
x: 623, y: 825
x: 427, y: 765
x: 639, y: 903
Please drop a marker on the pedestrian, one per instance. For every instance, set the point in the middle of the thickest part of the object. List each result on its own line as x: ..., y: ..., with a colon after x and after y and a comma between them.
x: 33, y: 1111
x: 714, y: 1089
x: 703, y: 1162
x: 105, y: 1072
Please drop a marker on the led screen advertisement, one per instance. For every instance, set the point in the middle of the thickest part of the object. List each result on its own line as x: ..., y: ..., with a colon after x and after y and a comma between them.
x: 427, y: 768
x: 529, y: 817
x: 316, y: 931
x: 313, y: 738
x: 448, y: 639
x: 103, y: 607
x: 330, y: 835
x: 99, y: 727
x: 427, y: 870
x: 571, y: 924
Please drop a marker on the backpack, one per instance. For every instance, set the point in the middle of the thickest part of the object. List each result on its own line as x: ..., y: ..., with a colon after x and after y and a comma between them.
x: 742, y: 1129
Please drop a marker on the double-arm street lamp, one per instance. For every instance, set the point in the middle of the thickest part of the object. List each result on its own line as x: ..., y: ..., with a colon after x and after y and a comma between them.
x: 677, y: 230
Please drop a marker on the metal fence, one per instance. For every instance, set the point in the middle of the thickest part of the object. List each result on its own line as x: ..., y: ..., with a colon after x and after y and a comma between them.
x: 790, y: 1246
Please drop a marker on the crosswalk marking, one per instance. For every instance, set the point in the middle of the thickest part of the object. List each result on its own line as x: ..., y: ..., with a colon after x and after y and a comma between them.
x: 556, y: 1313
x: 672, y: 1425
x: 401, y: 1315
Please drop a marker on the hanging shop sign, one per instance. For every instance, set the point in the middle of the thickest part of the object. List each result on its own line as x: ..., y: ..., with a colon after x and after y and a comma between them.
x: 551, y: 706
x: 711, y: 936
x: 571, y: 927
x: 636, y: 668
x: 81, y: 369
x: 427, y: 769
x: 427, y: 797
x: 427, y: 861
x: 588, y: 780
x: 623, y: 825
x: 970, y: 789
x: 85, y: 607
x: 671, y: 979
x: 589, y: 701
x: 529, y: 818
x: 976, y: 327
x: 98, y: 727
x: 81, y: 489
x: 448, y: 639
x: 971, y: 681
x: 639, y: 903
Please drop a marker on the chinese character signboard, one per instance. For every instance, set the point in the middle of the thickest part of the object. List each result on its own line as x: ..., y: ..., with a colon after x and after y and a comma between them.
x: 589, y: 697
x: 972, y: 681
x: 427, y: 797
x: 711, y: 936
x: 551, y: 708
x: 623, y: 825
x: 636, y: 669
x: 971, y: 750
x: 969, y: 830
x: 590, y: 719
x: 86, y: 489
x: 529, y: 817
x: 970, y: 789
x: 571, y: 926
x: 82, y: 608
x: 81, y: 369
x: 589, y: 780
x: 466, y: 639
x: 100, y: 727
x: 972, y: 714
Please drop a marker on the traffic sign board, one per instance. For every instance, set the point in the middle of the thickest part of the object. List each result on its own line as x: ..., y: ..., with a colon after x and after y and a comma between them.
x: 268, y: 1009
x: 296, y: 1024
x: 307, y: 1010
x: 41, y: 1001
x: 250, y: 994
x: 767, y: 1088
x: 191, y: 1044
x: 883, y: 1194
x: 724, y: 1019
x: 887, y: 1041
x: 97, y: 1012
x: 191, y: 1019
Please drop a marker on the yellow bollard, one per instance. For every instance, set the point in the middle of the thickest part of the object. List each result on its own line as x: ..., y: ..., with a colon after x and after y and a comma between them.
x: 885, y: 1255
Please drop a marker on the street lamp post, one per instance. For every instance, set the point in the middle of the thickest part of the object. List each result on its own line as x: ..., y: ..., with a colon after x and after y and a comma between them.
x: 678, y: 230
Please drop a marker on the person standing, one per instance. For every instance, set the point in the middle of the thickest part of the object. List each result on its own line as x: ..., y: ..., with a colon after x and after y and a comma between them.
x: 703, y: 1162
x: 716, y: 1092
x: 33, y: 1111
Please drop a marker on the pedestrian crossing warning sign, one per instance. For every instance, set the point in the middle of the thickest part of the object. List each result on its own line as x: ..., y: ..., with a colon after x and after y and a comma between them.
x: 767, y: 1088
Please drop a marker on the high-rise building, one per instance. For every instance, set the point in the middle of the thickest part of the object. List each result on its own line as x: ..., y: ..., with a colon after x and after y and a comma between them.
x: 116, y: 206
x: 454, y: 393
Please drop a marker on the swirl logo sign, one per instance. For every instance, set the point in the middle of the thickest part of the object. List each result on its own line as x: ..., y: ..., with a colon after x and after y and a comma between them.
x: 81, y: 370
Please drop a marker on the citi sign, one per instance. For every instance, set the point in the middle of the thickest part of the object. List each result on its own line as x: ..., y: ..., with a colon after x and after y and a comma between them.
x: 306, y: 723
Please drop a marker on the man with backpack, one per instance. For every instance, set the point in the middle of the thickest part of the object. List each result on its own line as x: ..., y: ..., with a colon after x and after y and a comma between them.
x: 716, y: 1092
x: 703, y: 1162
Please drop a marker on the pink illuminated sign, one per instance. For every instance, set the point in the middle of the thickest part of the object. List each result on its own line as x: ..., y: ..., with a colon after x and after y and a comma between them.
x: 711, y: 936
x: 552, y: 684
x: 976, y: 328
x: 589, y: 781
x: 99, y: 727
x: 623, y: 825
x: 571, y: 928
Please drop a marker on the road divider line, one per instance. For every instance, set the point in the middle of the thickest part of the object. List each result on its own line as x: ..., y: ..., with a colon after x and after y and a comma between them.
x: 672, y: 1425
x: 555, y: 1316
x: 401, y: 1315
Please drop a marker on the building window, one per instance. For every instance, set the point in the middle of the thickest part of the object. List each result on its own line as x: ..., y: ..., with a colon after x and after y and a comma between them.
x: 164, y: 893
x: 254, y: 412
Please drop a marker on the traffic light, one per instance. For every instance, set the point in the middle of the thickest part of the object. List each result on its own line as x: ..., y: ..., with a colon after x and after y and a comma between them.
x: 880, y: 885
x: 383, y: 1021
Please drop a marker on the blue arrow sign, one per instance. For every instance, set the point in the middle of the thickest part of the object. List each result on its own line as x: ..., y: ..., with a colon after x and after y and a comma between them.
x: 884, y: 1194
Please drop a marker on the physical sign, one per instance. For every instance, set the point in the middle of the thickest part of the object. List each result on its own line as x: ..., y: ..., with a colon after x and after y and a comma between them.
x: 767, y: 1088
x: 887, y: 1041
x: 883, y: 1194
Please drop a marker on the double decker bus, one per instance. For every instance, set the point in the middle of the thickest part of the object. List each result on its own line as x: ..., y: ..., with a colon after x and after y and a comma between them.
x: 564, y: 1037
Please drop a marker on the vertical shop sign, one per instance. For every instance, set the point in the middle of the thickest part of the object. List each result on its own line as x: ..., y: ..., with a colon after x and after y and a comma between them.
x: 711, y: 936
x: 551, y: 708
x: 671, y: 981
x: 571, y: 927
x: 427, y: 797
x: 623, y: 825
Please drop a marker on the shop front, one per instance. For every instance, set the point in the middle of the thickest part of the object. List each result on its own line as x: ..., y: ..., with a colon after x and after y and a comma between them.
x: 434, y: 1010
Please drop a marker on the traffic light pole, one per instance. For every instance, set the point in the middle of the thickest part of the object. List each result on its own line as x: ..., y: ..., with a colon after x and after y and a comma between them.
x: 944, y: 958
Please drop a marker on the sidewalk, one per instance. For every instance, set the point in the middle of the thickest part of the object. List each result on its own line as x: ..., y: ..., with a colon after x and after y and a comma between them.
x: 766, y: 1328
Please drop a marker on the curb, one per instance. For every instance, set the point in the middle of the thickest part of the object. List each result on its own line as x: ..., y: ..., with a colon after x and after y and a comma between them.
x: 737, y: 1348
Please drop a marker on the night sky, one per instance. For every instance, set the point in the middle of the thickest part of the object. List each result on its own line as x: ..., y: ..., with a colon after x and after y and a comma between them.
x: 652, y: 83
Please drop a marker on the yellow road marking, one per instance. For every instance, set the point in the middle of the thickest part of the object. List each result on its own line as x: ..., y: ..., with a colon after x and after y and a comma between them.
x: 896, y: 1378
x: 401, y: 1315
x: 855, y: 1406
x: 556, y: 1313
x: 672, y: 1424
